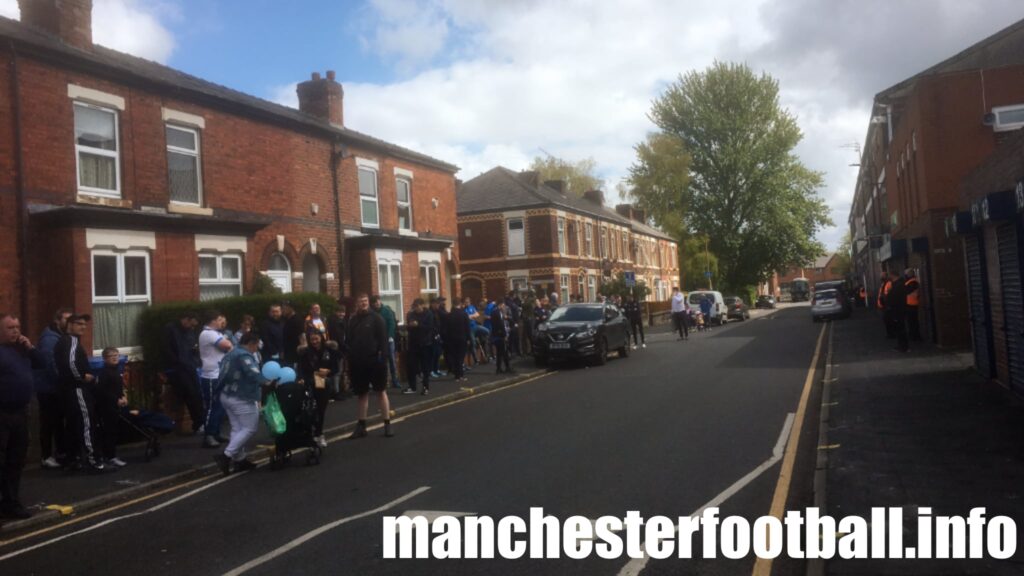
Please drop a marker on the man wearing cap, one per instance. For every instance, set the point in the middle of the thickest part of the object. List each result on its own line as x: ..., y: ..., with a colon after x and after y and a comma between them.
x: 77, y: 386
x: 17, y: 359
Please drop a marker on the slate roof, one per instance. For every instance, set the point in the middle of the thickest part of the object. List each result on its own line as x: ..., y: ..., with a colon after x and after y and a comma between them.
x: 500, y: 189
x: 1004, y: 48
x: 101, y: 60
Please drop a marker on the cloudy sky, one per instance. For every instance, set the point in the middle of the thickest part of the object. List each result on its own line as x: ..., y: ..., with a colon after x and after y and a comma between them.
x: 485, y: 82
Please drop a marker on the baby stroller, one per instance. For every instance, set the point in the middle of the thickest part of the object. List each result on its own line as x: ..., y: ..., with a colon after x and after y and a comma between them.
x: 299, y: 409
x: 146, y: 425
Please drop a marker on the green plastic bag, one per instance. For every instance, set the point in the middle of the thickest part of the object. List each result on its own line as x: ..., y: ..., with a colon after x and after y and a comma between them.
x: 273, y: 416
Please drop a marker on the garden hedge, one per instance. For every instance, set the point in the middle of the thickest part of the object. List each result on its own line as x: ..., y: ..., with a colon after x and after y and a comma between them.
x: 156, y: 317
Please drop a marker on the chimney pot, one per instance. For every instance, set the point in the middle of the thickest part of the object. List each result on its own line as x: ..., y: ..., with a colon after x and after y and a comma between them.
x: 595, y: 196
x: 323, y: 98
x: 557, y: 185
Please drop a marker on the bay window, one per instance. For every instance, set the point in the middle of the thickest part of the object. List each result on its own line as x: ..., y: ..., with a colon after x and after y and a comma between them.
x: 120, y: 293
x: 429, y: 283
x: 220, y: 276
x: 389, y: 285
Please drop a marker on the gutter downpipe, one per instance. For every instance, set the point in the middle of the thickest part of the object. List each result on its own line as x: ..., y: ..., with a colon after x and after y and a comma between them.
x: 337, y: 155
x: 20, y: 188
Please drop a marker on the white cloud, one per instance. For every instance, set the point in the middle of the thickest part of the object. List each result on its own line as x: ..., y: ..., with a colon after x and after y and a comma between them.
x: 487, y: 82
x: 132, y: 26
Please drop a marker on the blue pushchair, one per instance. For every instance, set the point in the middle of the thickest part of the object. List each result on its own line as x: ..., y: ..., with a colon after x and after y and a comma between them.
x: 148, y: 426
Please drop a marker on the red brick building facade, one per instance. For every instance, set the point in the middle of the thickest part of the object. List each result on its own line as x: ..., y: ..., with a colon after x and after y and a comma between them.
x: 515, y: 231
x: 125, y: 183
x: 926, y: 134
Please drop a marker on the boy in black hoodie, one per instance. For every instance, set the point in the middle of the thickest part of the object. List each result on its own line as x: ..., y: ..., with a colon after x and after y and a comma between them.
x: 110, y: 399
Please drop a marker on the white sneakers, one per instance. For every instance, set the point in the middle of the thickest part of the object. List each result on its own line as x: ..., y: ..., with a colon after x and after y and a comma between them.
x: 117, y: 462
x: 321, y: 441
x: 50, y: 463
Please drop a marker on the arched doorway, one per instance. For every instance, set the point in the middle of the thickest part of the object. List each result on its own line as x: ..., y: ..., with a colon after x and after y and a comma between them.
x: 280, y: 271
x: 472, y: 288
x: 311, y: 274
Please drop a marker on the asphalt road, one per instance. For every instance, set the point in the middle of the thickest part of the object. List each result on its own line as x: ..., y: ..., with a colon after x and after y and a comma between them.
x: 662, y: 432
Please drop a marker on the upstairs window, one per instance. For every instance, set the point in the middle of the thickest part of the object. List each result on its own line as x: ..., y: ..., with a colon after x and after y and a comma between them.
x: 368, y: 204
x: 404, y: 195
x: 183, y: 172
x: 97, y: 150
x: 561, y: 235
x: 588, y: 239
x: 516, y: 237
x: 1007, y: 118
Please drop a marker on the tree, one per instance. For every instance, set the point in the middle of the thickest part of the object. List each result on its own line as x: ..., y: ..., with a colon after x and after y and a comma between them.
x: 747, y: 190
x: 843, y: 263
x: 617, y: 286
x: 659, y: 179
x: 695, y: 263
x: 580, y: 176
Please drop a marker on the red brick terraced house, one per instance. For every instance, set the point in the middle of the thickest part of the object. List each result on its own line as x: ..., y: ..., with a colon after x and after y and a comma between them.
x: 516, y: 231
x: 125, y: 183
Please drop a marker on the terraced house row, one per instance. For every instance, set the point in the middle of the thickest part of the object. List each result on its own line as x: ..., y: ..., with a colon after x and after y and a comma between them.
x: 516, y: 231
x: 125, y: 183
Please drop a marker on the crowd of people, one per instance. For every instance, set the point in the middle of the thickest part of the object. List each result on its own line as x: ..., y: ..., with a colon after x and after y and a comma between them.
x: 214, y: 368
x: 899, y: 300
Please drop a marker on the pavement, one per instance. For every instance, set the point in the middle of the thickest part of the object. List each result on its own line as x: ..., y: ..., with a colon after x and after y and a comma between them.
x: 182, y: 459
x: 664, y: 432
x: 920, y: 429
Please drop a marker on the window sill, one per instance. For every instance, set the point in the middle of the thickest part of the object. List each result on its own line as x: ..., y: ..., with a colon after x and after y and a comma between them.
x: 402, y: 232
x: 173, y: 208
x: 86, y: 198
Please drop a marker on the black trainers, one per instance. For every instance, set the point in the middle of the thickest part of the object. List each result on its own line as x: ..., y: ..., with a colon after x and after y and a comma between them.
x: 223, y: 462
x: 244, y: 465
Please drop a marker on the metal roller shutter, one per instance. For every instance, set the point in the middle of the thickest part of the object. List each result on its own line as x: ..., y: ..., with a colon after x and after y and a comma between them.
x: 1013, y: 302
x: 979, y: 305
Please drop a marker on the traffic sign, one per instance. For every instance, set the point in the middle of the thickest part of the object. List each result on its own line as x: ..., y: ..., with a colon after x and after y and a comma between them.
x: 630, y: 278
x: 707, y: 274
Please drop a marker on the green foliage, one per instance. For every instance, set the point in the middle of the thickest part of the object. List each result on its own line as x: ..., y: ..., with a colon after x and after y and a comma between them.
x: 747, y: 190
x: 658, y: 181
x: 262, y: 284
x: 617, y: 287
x: 695, y: 262
x: 580, y: 176
x: 843, y: 260
x: 156, y: 317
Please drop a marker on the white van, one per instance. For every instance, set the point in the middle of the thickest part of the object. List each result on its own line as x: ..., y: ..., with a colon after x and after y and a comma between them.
x: 718, y: 309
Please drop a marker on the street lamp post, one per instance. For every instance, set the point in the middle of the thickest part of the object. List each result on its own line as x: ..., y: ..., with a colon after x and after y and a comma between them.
x: 707, y: 264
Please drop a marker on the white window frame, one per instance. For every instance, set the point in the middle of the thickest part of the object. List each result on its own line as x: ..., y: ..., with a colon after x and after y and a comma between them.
x: 588, y: 239
x: 591, y: 288
x: 522, y: 232
x: 281, y: 278
x: 220, y: 280
x: 604, y: 241
x: 407, y: 204
x: 518, y: 283
x: 625, y: 246
x: 561, y: 235
x: 121, y: 297
x: 115, y: 154
x: 197, y: 154
x: 375, y: 199
x: 563, y: 281
x: 998, y: 127
x: 581, y: 282
x: 426, y: 267
x: 387, y: 264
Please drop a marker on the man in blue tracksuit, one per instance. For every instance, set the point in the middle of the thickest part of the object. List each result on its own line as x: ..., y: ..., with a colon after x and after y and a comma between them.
x: 17, y: 360
x: 51, y: 409
x: 241, y: 386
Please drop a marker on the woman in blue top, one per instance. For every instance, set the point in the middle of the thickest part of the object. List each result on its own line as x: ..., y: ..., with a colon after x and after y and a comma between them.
x: 241, y: 385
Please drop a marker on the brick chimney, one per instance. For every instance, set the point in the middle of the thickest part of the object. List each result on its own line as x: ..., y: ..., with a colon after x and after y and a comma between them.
x: 632, y: 212
x: 68, y: 20
x: 323, y: 98
x: 557, y: 185
x: 530, y: 177
x: 595, y: 196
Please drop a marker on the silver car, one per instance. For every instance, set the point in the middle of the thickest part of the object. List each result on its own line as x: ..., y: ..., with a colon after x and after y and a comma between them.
x: 827, y: 305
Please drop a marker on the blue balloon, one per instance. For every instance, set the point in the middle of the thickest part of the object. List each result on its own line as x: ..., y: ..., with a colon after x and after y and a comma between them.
x: 271, y: 370
x: 286, y: 376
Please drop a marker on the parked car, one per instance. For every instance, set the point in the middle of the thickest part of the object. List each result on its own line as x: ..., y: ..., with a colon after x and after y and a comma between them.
x: 843, y: 290
x: 765, y: 301
x: 736, y: 308
x: 582, y: 331
x: 717, y: 304
x: 828, y: 304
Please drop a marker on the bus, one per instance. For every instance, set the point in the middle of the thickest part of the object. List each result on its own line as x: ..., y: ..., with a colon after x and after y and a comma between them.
x: 800, y: 290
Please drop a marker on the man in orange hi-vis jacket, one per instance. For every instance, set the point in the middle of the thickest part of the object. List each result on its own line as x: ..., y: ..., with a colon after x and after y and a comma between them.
x: 913, y: 303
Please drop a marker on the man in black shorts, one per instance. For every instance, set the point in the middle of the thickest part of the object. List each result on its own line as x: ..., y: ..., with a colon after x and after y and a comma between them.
x: 367, y: 360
